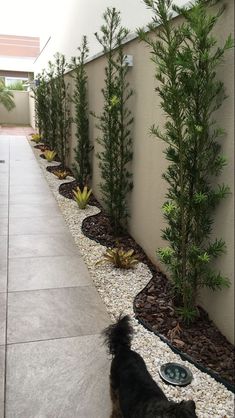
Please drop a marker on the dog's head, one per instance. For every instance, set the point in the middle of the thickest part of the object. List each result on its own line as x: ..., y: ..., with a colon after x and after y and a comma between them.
x: 185, y: 409
x: 170, y: 409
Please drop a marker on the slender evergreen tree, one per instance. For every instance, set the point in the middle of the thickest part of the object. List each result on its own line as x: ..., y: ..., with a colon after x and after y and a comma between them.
x: 115, y: 122
x: 53, y: 106
x: 82, y: 167
x: 42, y: 106
x: 186, y: 59
x: 62, y: 109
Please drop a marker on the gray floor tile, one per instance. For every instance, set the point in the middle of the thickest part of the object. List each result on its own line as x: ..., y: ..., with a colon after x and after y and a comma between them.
x: 47, y: 272
x: 3, y: 211
x: 37, y: 179
x: 3, y: 226
x: 67, y: 378
x: 2, y: 318
x: 54, y: 313
x: 3, y: 198
x: 37, y: 225
x: 31, y: 198
x: 3, y: 263
x: 29, y: 189
x: 28, y: 210
x: 42, y: 246
x: 2, y: 375
x: 4, y: 188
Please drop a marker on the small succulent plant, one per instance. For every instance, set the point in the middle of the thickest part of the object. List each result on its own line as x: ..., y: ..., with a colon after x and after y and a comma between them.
x: 120, y: 258
x: 49, y: 155
x: 61, y: 174
x: 36, y: 138
x: 82, y: 197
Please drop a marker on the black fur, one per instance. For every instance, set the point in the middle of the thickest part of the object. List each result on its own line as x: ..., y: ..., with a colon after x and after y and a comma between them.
x: 133, y: 391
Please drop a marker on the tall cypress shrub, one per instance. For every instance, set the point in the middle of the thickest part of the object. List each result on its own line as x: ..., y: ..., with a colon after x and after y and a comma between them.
x: 82, y: 167
x: 42, y: 106
x: 62, y: 110
x: 186, y: 59
x: 115, y: 122
x: 53, y: 106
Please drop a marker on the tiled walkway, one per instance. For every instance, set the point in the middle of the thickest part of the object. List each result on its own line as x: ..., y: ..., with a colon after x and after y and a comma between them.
x: 52, y: 362
x: 15, y: 130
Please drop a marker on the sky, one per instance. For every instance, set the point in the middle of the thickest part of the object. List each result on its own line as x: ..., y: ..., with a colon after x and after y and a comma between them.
x: 27, y: 17
x: 31, y: 17
x: 56, y: 19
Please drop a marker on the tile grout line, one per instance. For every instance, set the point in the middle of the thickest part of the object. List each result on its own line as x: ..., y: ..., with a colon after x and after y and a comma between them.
x: 6, y: 320
x: 95, y: 334
x: 50, y: 288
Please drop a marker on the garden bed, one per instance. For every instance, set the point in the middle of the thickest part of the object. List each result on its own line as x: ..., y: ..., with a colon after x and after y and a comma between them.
x: 119, y: 288
x: 202, y: 340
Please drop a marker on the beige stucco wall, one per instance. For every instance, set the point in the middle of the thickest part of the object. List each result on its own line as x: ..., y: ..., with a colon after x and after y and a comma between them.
x: 20, y: 114
x: 147, y: 197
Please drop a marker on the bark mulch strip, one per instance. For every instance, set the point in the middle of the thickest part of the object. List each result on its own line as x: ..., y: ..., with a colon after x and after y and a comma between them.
x: 154, y: 307
x: 42, y: 147
x: 53, y: 168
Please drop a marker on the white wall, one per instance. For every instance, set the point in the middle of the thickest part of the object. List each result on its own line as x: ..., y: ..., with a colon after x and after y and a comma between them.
x: 72, y: 19
x: 17, y: 64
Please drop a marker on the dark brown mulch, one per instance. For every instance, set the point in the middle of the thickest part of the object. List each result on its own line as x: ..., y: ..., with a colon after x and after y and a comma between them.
x: 66, y: 190
x: 42, y: 147
x: 53, y: 168
x: 154, y: 306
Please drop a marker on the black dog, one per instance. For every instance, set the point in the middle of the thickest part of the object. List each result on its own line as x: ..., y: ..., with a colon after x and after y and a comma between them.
x: 134, y: 393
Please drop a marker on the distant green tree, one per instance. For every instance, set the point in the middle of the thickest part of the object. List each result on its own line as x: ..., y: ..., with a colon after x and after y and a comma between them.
x: 17, y: 85
x: 6, y: 97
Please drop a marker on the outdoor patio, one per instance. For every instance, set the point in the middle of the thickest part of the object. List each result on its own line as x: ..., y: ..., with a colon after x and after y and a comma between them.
x: 52, y: 362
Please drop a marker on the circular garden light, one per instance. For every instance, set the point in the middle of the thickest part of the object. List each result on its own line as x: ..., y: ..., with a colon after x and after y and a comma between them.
x: 176, y: 374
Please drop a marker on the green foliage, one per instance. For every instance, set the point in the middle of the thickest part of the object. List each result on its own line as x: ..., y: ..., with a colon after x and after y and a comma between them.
x: 18, y: 85
x: 6, y: 97
x: 61, y: 97
x: 42, y: 107
x: 186, y: 58
x: 49, y: 155
x: 115, y: 122
x: 82, y: 196
x: 52, y: 106
x: 82, y: 168
x: 119, y: 258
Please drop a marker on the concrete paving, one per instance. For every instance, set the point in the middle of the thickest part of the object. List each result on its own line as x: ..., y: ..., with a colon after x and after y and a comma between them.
x: 52, y: 361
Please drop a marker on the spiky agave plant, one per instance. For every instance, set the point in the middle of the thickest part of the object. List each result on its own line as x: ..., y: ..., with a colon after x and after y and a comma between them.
x: 119, y: 258
x: 61, y: 174
x: 50, y: 155
x: 82, y: 197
